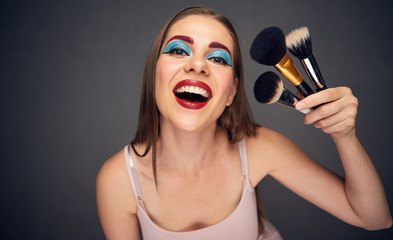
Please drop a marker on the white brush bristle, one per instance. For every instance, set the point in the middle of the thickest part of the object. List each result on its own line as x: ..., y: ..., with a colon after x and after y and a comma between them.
x: 297, y: 37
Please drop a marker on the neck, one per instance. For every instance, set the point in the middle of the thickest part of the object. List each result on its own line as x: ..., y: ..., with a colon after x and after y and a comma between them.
x: 188, y: 151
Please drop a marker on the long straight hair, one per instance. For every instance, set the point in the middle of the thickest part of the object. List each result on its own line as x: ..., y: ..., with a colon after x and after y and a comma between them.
x: 236, y: 118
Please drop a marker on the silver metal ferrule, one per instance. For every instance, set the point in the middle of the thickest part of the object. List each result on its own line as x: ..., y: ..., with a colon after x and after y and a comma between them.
x: 313, y: 72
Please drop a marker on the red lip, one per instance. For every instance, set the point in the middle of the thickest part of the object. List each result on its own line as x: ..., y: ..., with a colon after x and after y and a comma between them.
x: 195, y: 83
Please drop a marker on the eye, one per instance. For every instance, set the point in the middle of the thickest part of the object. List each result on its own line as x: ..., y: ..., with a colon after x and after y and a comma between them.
x: 218, y: 60
x: 177, y: 48
x: 178, y: 51
x: 220, y: 57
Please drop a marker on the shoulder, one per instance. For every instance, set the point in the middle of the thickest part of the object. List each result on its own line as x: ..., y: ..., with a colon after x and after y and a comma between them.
x: 265, y: 151
x: 113, y: 185
x: 115, y: 200
x: 266, y: 142
x: 264, y: 135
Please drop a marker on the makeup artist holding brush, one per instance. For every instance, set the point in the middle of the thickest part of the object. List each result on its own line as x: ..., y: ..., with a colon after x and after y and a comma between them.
x: 192, y: 168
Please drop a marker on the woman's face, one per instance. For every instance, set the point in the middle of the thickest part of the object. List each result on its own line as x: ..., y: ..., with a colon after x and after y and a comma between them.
x: 194, y: 77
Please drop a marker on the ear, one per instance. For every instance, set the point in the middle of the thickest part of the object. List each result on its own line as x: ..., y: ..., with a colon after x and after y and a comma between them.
x: 232, y: 93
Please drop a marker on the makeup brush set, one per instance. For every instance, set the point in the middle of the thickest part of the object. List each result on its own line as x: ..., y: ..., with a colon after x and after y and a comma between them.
x: 270, y: 48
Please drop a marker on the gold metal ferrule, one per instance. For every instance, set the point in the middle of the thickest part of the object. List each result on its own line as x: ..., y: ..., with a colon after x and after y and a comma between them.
x: 289, y: 70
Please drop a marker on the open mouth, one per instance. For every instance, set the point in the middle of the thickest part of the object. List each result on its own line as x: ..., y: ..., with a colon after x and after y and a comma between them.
x: 192, y: 94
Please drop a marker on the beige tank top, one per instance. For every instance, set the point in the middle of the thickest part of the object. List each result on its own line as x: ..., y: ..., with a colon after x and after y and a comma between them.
x: 241, y: 224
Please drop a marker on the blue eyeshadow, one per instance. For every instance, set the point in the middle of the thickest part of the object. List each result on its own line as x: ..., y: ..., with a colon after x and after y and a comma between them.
x: 177, y: 44
x: 221, y: 54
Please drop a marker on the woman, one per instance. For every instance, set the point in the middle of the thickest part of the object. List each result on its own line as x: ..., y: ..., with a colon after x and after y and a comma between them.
x: 197, y: 155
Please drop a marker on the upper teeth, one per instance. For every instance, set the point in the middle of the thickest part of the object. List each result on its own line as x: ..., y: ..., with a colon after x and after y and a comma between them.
x: 192, y: 89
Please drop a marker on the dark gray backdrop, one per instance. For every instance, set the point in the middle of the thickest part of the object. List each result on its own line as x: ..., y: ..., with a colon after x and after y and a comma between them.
x: 70, y: 80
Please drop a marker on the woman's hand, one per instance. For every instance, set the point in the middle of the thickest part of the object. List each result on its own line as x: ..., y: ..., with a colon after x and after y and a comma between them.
x: 337, y: 111
x: 360, y: 194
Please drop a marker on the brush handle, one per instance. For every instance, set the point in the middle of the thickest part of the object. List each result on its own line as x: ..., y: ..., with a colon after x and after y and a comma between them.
x: 304, y: 89
x: 289, y: 99
x: 311, y: 67
x: 288, y: 69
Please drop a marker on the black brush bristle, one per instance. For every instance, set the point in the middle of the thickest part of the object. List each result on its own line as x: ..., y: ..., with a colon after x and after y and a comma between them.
x: 266, y: 87
x: 298, y: 42
x: 268, y: 46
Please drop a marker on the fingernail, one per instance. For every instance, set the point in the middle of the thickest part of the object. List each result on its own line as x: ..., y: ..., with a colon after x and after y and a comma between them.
x: 300, y: 106
x: 305, y: 111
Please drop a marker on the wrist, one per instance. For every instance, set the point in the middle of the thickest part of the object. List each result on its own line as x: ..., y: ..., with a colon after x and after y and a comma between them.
x: 344, y: 137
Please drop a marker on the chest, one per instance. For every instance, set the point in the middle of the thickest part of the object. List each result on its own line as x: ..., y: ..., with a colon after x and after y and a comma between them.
x: 190, y: 204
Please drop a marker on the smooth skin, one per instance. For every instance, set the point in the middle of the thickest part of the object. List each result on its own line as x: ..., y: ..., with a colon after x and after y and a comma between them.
x: 199, y: 172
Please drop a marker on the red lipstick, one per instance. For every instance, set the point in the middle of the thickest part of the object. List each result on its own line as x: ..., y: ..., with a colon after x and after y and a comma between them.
x: 197, y: 87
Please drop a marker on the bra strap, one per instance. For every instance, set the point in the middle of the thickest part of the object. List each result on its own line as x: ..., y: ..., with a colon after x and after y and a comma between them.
x: 243, y: 157
x: 134, y: 176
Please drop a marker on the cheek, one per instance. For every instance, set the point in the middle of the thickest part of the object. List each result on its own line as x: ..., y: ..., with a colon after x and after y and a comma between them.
x: 161, y: 72
x: 162, y: 76
x: 166, y: 69
x: 225, y: 81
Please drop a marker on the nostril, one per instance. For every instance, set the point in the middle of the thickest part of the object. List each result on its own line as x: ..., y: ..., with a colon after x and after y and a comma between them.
x: 196, y: 66
x: 190, y: 69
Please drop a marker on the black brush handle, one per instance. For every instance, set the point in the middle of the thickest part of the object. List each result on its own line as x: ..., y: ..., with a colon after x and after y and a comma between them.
x: 288, y: 99
x: 304, y: 89
x: 311, y: 67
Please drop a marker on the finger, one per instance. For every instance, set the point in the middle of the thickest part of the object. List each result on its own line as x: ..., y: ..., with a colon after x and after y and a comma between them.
x: 341, y: 128
x: 333, y: 119
x: 323, y: 112
x: 325, y: 96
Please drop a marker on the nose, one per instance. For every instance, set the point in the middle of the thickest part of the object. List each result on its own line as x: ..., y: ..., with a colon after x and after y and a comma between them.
x: 197, y: 65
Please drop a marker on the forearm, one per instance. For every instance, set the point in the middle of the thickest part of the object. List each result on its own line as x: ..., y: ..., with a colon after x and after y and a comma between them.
x: 363, y: 186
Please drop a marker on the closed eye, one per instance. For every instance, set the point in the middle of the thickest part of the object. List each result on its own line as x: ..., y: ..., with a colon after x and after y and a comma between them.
x: 220, y: 57
x: 177, y: 48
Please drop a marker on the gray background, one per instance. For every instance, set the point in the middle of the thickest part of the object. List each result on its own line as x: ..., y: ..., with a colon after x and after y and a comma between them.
x: 70, y: 80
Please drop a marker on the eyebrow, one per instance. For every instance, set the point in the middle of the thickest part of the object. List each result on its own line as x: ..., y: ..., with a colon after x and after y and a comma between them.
x: 219, y: 45
x: 187, y: 39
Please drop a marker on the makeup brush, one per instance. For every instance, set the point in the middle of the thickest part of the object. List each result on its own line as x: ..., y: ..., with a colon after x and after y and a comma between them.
x: 269, y: 48
x: 299, y: 44
x: 269, y: 88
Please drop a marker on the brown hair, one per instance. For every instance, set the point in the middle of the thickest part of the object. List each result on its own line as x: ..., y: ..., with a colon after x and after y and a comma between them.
x: 236, y: 118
